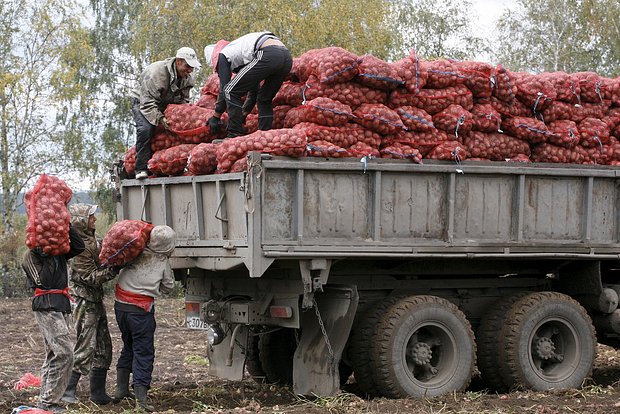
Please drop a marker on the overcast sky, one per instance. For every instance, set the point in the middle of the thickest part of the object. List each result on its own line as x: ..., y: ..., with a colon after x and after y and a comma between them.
x: 489, y: 11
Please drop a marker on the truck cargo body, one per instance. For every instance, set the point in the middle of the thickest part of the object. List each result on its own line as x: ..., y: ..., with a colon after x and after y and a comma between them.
x: 307, y: 269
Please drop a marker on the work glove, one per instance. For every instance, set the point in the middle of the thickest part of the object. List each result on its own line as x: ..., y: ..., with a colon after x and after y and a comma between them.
x: 215, y: 125
x: 164, y: 122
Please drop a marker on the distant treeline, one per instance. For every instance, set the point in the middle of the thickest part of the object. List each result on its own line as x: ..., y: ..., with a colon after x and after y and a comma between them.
x: 78, y: 197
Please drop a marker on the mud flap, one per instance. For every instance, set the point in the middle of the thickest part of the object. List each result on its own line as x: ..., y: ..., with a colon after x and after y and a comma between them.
x: 220, y: 356
x: 315, y: 369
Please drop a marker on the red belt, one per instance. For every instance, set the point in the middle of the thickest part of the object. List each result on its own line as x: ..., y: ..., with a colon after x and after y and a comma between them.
x: 41, y: 292
x: 142, y: 301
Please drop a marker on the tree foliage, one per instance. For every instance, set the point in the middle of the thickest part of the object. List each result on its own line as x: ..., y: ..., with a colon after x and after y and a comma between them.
x: 561, y: 35
x: 436, y: 29
x: 43, y: 95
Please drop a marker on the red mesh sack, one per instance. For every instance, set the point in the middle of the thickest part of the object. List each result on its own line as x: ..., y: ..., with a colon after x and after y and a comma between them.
x: 415, y: 119
x: 129, y: 163
x: 513, y: 108
x: 422, y: 141
x: 560, y: 110
x: 202, y: 159
x: 594, y: 155
x: 552, y: 153
x: 48, y: 215
x: 211, y: 86
x: 378, y: 118
x: 520, y: 158
x: 567, y: 88
x: 449, y: 150
x: 163, y: 138
x: 326, y: 149
x: 534, y: 92
x: 495, y: 146
x: 411, y: 70
x: 361, y: 149
x: 564, y: 133
x: 611, y: 90
x: 240, y: 165
x: 339, y: 136
x: 125, y: 240
x: 455, y: 120
x: 323, y: 111
x: 279, y: 113
x: 478, y: 76
x: 290, y: 142
x: 363, y: 135
x: 189, y: 122
x: 442, y: 74
x: 251, y: 123
x: 590, y: 85
x: 612, y: 153
x: 171, y: 161
x: 290, y: 93
x: 348, y: 93
x: 433, y: 100
x: 401, y: 151
x: 528, y: 129
x: 594, y: 132
x: 505, y: 88
x: 207, y: 101
x: 590, y: 110
x: 376, y: 73
x: 330, y: 65
x: 486, y: 118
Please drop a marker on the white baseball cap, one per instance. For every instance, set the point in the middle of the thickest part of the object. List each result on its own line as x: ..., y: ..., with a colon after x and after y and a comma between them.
x: 189, y: 55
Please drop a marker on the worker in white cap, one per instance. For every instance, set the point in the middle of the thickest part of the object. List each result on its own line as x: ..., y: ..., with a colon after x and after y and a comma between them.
x: 162, y: 83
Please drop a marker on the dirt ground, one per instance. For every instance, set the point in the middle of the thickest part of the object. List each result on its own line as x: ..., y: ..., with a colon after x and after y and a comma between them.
x: 181, y: 383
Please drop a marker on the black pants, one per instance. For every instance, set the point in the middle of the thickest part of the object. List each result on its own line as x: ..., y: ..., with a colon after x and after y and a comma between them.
x: 138, y: 353
x: 144, y: 133
x: 270, y: 65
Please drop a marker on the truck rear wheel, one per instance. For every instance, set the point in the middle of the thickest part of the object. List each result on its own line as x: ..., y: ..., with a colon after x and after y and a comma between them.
x: 548, y: 341
x: 424, y: 346
x: 360, y: 343
x: 487, y: 341
x: 276, y: 351
x: 252, y: 360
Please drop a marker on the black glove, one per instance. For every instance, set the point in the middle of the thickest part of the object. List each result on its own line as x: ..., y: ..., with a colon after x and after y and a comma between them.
x: 116, y: 269
x: 215, y: 125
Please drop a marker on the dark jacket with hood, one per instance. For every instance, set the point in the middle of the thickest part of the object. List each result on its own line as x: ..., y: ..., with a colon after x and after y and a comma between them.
x: 47, y: 272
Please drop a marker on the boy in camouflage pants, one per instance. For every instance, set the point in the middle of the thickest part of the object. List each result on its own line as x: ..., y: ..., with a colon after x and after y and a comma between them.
x: 92, y: 354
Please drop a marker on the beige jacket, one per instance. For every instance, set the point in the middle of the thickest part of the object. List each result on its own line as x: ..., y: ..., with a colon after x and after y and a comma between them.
x: 160, y: 86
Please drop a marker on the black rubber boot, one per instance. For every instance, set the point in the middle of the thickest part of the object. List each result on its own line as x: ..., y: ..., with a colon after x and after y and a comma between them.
x: 97, y: 386
x: 141, y: 399
x: 122, y: 385
x: 69, y: 395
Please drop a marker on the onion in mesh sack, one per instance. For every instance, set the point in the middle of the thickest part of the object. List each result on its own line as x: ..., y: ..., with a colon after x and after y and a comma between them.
x: 528, y: 129
x: 433, y: 100
x: 449, y: 150
x: 412, y: 71
x: 326, y: 149
x: 202, y: 159
x: 546, y: 152
x: 349, y: 93
x: 323, y: 111
x: 565, y: 133
x: 415, y: 119
x: 455, y: 120
x: 495, y: 146
x: 378, y: 118
x: 593, y: 132
x: 330, y: 65
x: 129, y: 163
x: 171, y: 161
x: 398, y: 150
x: 125, y: 240
x: 486, y: 118
x: 442, y: 74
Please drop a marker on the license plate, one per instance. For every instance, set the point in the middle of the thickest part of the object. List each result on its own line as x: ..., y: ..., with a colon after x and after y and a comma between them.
x: 192, y: 316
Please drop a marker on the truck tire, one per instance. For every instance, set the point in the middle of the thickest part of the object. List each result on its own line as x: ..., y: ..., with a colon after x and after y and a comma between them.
x: 360, y: 342
x: 487, y: 341
x: 547, y: 341
x: 252, y: 360
x: 276, y: 351
x: 423, y: 347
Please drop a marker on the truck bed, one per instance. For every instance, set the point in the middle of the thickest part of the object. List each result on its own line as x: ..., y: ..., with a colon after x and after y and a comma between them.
x: 284, y: 208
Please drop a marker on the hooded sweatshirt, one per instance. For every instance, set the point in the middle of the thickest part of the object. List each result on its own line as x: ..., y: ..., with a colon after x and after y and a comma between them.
x: 150, y: 274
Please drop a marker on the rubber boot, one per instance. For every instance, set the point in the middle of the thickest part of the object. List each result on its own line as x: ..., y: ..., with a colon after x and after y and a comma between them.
x: 97, y: 386
x: 122, y: 385
x: 141, y: 399
x: 69, y: 395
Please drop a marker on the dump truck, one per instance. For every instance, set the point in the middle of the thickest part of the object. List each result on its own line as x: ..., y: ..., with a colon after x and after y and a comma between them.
x: 404, y: 278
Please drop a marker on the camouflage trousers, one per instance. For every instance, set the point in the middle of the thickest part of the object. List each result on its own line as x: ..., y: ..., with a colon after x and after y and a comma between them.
x: 93, y: 346
x: 56, y: 368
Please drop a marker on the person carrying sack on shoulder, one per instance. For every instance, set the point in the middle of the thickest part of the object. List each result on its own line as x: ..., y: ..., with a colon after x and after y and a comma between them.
x: 139, y: 283
x: 47, y: 276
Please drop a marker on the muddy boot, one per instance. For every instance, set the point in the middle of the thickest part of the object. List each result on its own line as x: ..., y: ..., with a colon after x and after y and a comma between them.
x: 141, y: 399
x: 69, y: 395
x: 97, y: 386
x: 122, y: 385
